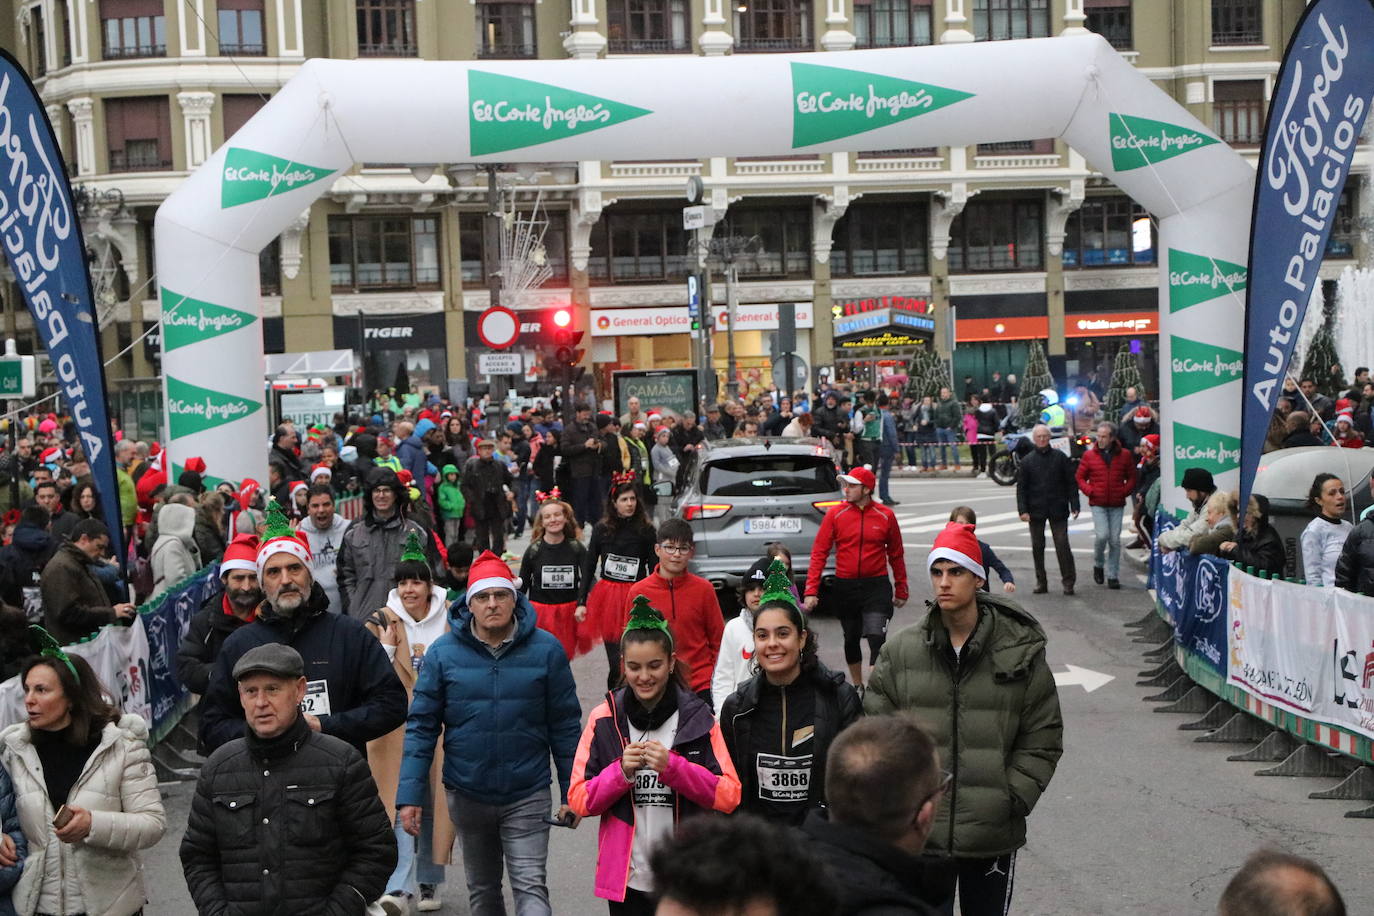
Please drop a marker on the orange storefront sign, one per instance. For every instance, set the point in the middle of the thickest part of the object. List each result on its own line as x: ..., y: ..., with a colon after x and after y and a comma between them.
x: 975, y: 329
x: 1111, y: 324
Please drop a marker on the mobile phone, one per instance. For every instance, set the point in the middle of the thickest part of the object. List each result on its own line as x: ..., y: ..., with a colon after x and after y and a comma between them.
x: 558, y: 822
x: 60, y: 819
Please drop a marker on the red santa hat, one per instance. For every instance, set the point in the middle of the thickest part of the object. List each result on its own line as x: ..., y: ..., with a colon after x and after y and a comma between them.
x: 958, y: 544
x: 242, y: 553
x: 195, y: 463
x: 1152, y: 440
x: 320, y: 470
x: 279, y: 538
x: 50, y: 455
x: 489, y: 571
x: 298, y: 486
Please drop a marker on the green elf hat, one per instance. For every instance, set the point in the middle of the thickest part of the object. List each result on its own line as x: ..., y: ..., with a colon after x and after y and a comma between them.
x: 413, y: 552
x: 778, y: 587
x: 280, y: 538
x: 643, y: 616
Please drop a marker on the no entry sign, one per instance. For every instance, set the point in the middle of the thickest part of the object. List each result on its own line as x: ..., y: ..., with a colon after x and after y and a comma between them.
x: 498, y: 327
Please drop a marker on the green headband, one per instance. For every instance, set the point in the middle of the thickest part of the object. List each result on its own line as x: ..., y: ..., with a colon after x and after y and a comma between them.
x: 50, y: 648
x: 413, y: 552
x: 777, y: 587
x: 644, y: 617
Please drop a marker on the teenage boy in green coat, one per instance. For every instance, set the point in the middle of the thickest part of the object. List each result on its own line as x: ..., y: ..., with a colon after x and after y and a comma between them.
x: 974, y: 673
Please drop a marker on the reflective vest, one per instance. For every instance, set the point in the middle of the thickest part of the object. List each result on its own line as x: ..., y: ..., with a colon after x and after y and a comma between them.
x: 1054, y: 416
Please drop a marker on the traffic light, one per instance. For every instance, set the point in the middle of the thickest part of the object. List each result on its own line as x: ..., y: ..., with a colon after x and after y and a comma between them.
x: 565, y: 338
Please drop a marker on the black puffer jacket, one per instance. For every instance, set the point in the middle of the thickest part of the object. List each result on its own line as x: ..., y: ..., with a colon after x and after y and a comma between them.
x: 205, y: 635
x: 875, y: 878
x: 1045, y: 485
x: 1265, y: 552
x: 1355, y: 566
x: 836, y: 706
x: 289, y: 826
x: 343, y: 661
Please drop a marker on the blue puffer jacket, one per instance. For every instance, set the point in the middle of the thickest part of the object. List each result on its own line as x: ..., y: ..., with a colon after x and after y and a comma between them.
x: 9, y: 823
x: 501, y: 717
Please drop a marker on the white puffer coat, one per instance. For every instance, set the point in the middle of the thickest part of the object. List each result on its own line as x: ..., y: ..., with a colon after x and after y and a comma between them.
x: 103, y: 873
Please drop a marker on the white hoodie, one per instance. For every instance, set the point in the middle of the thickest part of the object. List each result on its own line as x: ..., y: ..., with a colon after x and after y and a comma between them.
x: 421, y: 633
x: 735, y: 664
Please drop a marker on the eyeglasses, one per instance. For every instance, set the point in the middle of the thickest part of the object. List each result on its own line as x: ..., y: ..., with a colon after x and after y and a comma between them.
x: 676, y: 549
x: 946, y: 780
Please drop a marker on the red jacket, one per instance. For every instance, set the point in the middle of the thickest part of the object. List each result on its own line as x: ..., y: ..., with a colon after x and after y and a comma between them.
x: 693, y: 613
x: 865, y: 541
x: 1105, y: 484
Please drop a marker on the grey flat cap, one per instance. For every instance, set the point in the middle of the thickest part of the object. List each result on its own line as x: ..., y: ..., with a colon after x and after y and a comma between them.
x: 272, y: 658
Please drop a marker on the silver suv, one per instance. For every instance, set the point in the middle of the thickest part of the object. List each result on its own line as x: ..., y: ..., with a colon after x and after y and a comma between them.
x: 740, y: 494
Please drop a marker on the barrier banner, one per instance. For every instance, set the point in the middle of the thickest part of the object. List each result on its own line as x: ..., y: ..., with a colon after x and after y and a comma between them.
x: 1319, y: 106
x: 119, y: 656
x: 42, y: 240
x: 1166, y: 573
x: 166, y: 618
x: 1279, y: 641
x: 1201, y: 628
x: 1345, y: 693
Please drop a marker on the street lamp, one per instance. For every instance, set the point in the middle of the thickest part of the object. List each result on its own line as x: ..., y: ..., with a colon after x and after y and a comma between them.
x: 727, y: 252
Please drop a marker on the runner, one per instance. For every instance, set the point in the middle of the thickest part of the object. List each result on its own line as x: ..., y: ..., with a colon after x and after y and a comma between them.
x: 622, y: 549
x: 551, y: 571
x: 866, y: 539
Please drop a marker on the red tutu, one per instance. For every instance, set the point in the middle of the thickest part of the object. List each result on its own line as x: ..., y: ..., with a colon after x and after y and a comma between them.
x: 558, y: 619
x: 608, y: 607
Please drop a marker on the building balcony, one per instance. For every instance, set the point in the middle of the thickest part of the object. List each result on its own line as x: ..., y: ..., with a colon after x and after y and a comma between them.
x: 772, y: 45
x: 648, y: 46
x: 388, y: 49
x: 137, y: 161
x: 238, y: 49
x: 507, y: 50
x: 130, y: 52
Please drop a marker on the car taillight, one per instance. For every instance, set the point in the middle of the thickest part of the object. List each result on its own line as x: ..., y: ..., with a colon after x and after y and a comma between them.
x: 825, y: 505
x: 705, y: 510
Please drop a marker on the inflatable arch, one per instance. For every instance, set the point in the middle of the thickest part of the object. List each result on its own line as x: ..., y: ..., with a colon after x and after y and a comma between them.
x: 335, y: 113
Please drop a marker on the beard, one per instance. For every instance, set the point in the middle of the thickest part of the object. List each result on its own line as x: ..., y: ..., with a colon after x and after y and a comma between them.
x: 245, y: 598
x: 288, y: 600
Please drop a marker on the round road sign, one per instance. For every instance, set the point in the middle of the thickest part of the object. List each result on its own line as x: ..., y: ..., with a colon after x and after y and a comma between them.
x: 498, y: 327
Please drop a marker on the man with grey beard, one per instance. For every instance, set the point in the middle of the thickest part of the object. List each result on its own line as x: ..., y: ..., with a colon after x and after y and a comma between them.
x: 222, y: 613
x: 352, y: 692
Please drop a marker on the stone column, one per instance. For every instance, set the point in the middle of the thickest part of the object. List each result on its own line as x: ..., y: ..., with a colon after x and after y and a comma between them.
x: 585, y: 41
x: 1074, y: 18
x: 837, y: 37
x: 195, y: 113
x: 956, y: 23
x: 83, y: 133
x: 715, y: 40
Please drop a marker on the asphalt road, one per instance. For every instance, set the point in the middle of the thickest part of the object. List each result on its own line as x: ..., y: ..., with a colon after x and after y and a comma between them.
x: 1138, y: 820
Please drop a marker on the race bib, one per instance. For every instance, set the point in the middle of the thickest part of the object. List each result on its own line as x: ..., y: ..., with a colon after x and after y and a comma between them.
x: 622, y: 569
x: 650, y: 792
x: 784, y: 779
x: 557, y: 577
x: 33, y: 603
x: 316, y: 702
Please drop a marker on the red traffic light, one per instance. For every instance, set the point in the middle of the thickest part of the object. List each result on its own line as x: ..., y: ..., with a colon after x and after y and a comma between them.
x: 562, y: 317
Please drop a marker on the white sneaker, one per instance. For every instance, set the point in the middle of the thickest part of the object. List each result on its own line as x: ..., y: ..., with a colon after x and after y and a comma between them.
x: 429, y: 899
x: 397, y: 903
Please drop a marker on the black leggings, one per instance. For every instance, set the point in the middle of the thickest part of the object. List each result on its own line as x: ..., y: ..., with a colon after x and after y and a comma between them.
x: 637, y: 903
x: 864, y: 607
x: 612, y: 659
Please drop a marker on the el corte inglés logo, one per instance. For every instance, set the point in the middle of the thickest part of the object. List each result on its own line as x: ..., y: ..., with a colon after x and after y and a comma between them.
x: 192, y: 409
x: 1195, y: 278
x: 830, y: 103
x: 1198, y: 366
x: 250, y: 176
x: 186, y: 320
x: 1137, y: 142
x: 1203, y: 448
x: 506, y: 113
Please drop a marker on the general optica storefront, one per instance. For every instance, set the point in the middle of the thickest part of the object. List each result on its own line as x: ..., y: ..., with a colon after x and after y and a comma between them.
x: 876, y: 339
x: 647, y: 337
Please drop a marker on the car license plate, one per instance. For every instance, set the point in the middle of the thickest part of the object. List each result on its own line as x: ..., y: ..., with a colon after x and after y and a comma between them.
x: 782, y: 525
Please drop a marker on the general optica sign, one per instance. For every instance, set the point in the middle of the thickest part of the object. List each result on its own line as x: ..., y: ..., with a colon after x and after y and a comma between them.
x: 43, y: 243
x: 335, y: 113
x: 1319, y: 107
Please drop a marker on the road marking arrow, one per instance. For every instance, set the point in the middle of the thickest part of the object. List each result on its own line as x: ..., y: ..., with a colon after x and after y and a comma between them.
x: 1076, y: 676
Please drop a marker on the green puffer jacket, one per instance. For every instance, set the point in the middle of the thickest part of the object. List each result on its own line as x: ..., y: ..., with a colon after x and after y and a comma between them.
x: 450, y: 495
x: 949, y: 414
x: 997, y: 726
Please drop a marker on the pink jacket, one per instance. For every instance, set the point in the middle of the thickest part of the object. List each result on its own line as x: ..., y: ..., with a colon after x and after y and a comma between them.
x: 599, y: 786
x: 970, y: 427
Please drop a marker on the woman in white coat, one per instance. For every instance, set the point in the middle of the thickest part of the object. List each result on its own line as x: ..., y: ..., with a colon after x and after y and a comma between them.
x: 77, y: 756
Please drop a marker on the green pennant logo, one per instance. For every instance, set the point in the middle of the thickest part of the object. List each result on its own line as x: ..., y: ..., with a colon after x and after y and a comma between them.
x: 830, y: 103
x: 192, y: 409
x: 186, y: 320
x: 250, y: 176
x: 1198, y: 366
x: 1195, y: 278
x: 1202, y: 448
x: 1138, y: 142
x: 506, y: 113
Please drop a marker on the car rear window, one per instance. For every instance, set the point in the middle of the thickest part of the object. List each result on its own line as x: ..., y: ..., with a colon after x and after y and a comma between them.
x: 770, y: 475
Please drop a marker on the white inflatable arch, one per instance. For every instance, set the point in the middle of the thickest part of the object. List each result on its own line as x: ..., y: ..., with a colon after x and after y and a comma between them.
x: 335, y: 113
